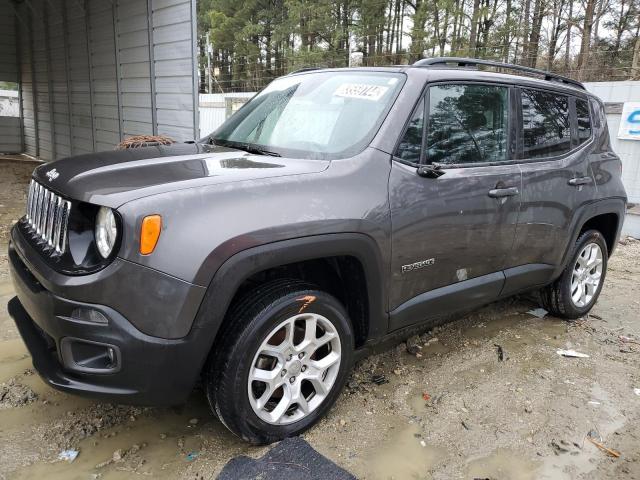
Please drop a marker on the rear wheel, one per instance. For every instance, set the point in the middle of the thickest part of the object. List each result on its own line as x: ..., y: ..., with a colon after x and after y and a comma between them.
x: 284, y: 357
x: 576, y: 291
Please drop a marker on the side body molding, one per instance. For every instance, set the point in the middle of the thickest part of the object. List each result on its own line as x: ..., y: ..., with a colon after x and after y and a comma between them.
x: 243, y: 264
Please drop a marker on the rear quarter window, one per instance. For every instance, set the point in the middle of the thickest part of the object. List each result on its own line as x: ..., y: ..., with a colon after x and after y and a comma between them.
x: 583, y: 119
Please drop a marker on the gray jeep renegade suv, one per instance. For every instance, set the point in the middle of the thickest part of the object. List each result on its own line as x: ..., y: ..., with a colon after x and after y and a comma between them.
x: 336, y: 210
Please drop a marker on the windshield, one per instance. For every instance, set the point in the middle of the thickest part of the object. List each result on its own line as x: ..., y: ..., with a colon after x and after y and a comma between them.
x: 322, y: 115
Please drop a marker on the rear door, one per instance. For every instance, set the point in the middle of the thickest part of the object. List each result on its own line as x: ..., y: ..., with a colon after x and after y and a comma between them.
x: 553, y: 148
x: 451, y: 235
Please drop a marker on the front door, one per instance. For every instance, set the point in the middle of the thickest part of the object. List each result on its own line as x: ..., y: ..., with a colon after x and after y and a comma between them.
x: 452, y: 234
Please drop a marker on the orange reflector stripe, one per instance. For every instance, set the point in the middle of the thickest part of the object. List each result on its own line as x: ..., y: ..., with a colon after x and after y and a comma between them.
x: 150, y: 233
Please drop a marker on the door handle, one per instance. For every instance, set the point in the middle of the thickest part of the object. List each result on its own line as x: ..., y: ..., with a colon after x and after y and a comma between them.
x: 577, y: 181
x: 504, y: 192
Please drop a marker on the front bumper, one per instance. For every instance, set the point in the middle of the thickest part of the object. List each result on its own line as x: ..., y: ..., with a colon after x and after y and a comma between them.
x: 148, y: 370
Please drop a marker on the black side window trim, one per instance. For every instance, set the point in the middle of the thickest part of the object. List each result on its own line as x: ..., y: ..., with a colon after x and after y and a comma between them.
x: 423, y: 96
x: 515, y: 130
x: 573, y: 125
x: 574, y: 122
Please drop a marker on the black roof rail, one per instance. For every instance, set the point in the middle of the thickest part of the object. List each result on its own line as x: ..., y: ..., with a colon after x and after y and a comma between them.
x: 305, y: 69
x: 474, y: 62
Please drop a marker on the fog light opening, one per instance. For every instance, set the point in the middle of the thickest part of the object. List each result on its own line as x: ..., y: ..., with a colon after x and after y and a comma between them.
x: 90, y: 357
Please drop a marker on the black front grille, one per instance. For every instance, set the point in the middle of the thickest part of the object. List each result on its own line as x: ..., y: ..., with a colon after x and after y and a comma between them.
x: 48, y: 217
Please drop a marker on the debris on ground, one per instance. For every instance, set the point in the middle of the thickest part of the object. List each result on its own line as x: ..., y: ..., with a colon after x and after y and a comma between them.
x: 413, y: 346
x: 538, y: 312
x: 572, y: 354
x: 129, y: 456
x: 626, y: 339
x: 192, y: 456
x: 636, y: 391
x: 379, y: 379
x: 563, y: 446
x: 502, y: 355
x: 68, y: 455
x: 15, y: 394
x: 67, y: 431
x: 426, y: 397
x: 594, y: 438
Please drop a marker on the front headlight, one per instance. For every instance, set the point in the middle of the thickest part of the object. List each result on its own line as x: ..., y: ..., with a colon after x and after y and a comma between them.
x: 106, y: 231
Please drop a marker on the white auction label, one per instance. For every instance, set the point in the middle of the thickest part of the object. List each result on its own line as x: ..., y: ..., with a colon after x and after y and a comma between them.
x: 361, y: 90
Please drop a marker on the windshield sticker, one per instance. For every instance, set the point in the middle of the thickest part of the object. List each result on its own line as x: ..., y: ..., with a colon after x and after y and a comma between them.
x: 361, y: 90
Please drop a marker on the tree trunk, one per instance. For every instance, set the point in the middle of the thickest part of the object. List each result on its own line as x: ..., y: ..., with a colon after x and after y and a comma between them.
x: 473, y: 36
x: 558, y: 8
x: 567, y: 51
x: 635, y: 63
x: 525, y: 32
x: 444, y: 30
x: 585, y: 44
x: 454, y: 36
x: 507, y: 37
x: 534, y: 37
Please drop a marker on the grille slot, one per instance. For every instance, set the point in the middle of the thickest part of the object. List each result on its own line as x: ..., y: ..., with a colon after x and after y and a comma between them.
x: 48, y: 217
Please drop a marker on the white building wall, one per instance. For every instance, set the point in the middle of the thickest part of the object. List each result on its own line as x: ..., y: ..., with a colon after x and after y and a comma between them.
x: 94, y: 72
x: 628, y: 150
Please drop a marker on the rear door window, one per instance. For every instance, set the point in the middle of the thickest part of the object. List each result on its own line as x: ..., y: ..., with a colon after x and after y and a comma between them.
x: 583, y: 120
x: 545, y: 124
x: 467, y: 124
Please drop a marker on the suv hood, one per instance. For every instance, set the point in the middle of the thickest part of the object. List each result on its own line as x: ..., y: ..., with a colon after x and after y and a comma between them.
x: 115, y: 177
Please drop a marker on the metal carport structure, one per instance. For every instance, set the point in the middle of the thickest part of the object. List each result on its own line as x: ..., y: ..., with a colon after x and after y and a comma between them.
x: 93, y: 72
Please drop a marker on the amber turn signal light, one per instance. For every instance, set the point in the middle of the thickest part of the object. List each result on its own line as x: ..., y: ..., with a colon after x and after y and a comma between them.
x: 150, y: 233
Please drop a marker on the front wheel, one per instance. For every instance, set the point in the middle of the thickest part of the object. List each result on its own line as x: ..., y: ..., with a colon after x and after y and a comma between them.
x: 284, y: 357
x: 576, y: 291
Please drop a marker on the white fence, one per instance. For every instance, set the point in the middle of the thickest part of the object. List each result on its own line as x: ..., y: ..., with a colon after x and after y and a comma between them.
x: 215, y: 108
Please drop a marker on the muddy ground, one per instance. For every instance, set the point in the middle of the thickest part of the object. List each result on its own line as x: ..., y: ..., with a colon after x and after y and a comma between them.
x: 451, y: 409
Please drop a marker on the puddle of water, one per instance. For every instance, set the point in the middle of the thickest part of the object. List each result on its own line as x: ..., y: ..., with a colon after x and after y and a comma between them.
x: 502, y: 464
x: 529, y: 329
x: 402, y: 457
x: 605, y: 419
x: 167, y: 436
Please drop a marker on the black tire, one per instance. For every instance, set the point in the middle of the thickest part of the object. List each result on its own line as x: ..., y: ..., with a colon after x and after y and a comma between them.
x: 247, y: 325
x: 556, y: 297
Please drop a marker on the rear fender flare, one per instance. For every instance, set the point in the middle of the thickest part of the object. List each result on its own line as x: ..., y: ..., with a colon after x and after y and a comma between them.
x: 582, y: 216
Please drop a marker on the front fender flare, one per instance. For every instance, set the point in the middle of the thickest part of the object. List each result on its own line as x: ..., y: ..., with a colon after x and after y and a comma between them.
x: 242, y: 265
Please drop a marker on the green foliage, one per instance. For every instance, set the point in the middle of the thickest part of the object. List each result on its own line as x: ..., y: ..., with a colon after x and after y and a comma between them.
x: 255, y: 41
x: 8, y: 86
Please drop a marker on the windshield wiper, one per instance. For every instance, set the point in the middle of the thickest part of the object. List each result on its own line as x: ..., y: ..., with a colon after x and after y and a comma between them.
x: 247, y: 147
x: 250, y: 148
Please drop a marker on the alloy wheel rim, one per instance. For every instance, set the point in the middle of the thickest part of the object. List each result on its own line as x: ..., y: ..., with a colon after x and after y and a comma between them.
x: 586, y: 275
x: 294, y: 369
